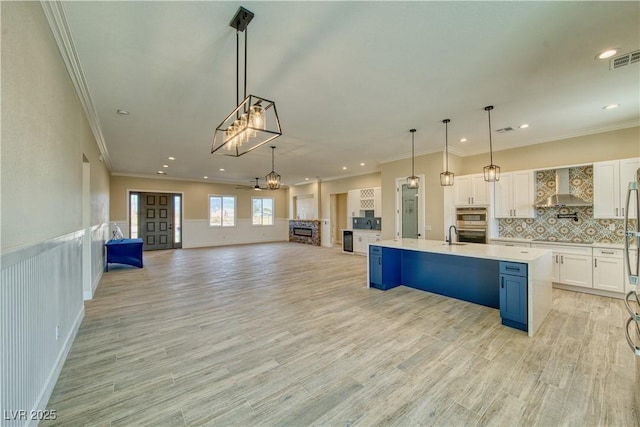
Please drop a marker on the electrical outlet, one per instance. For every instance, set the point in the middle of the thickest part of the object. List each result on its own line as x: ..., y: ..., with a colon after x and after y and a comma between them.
x: 57, y: 332
x: 612, y: 227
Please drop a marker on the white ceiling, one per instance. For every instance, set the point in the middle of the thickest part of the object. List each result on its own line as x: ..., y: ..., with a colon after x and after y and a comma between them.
x: 350, y: 79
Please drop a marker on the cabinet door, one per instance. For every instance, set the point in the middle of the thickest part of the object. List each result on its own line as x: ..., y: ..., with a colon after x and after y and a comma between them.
x: 462, y: 186
x: 353, y: 204
x: 479, y: 190
x: 377, y: 201
x: 556, y: 268
x: 606, y: 190
x: 523, y: 194
x: 360, y: 243
x: 375, y: 270
x: 502, y: 195
x: 608, y: 274
x: 628, y: 168
x: 576, y: 270
x: 513, y: 298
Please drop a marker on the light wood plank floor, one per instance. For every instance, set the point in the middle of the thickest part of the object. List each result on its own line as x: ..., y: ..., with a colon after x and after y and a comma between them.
x: 288, y: 334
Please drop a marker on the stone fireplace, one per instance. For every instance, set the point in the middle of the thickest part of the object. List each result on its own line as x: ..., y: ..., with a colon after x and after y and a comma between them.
x: 305, y: 231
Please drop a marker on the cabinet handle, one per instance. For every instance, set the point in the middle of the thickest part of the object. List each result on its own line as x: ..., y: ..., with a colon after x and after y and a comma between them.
x: 622, y: 211
x: 595, y: 260
x: 380, y: 261
x: 502, y: 282
x: 556, y: 259
x: 607, y: 252
x: 616, y: 211
x: 561, y: 259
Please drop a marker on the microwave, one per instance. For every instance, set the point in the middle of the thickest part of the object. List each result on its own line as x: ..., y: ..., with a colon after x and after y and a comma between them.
x: 471, y: 217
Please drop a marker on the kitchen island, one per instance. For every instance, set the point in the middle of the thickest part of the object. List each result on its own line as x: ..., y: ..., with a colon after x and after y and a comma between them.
x: 515, y: 280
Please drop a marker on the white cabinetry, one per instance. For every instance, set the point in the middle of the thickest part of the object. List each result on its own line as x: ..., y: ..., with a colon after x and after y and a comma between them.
x: 510, y: 243
x: 571, y: 264
x: 515, y: 195
x: 610, y: 181
x: 471, y: 190
x: 364, y: 199
x: 608, y: 270
x: 362, y: 240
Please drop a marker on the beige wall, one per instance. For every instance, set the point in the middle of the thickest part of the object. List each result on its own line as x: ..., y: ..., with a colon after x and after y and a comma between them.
x: 311, y: 189
x: 431, y: 165
x: 620, y: 144
x: 44, y: 136
x: 340, y: 186
x: 196, y: 196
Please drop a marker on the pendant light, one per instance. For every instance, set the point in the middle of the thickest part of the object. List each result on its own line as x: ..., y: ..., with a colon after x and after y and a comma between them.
x: 254, y: 121
x: 446, y: 177
x: 413, y: 181
x: 491, y: 171
x: 273, y: 179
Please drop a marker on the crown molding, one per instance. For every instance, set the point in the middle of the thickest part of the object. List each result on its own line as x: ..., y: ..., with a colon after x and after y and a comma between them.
x: 54, y: 12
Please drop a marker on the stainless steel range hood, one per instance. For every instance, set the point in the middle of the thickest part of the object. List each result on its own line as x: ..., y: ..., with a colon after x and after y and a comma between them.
x: 562, y: 197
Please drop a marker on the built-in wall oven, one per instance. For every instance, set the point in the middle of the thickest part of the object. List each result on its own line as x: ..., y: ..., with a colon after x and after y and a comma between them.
x: 472, y: 224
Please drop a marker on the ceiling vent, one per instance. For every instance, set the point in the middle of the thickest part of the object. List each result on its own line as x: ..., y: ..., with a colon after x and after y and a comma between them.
x: 624, y: 60
x: 504, y: 130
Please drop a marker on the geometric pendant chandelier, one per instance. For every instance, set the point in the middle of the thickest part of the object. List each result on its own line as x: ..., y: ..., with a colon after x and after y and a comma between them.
x: 254, y: 121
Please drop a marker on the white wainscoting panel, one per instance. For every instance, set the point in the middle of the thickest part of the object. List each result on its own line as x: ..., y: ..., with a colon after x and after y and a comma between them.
x: 41, y: 307
x: 197, y: 233
x: 99, y: 236
x: 325, y: 233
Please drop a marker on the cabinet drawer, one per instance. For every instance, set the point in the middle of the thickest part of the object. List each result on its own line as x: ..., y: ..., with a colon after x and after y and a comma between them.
x: 375, y: 250
x: 513, y: 269
x: 566, y: 249
x: 608, y: 253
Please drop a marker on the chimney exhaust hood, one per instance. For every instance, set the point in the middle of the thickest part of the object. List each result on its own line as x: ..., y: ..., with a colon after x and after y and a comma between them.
x: 562, y: 197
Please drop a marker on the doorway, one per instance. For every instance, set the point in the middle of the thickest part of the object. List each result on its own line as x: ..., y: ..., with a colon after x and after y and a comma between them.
x: 409, y: 210
x: 156, y: 218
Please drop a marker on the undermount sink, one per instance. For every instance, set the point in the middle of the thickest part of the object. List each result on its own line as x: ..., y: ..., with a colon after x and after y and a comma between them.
x: 454, y: 243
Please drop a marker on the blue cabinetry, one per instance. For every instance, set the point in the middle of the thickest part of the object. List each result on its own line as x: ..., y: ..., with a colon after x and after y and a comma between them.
x: 513, y: 295
x: 384, y: 267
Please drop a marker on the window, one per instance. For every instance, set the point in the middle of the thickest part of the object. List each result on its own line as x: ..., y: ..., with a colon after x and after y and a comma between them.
x: 134, y: 214
x: 222, y: 211
x: 262, y: 210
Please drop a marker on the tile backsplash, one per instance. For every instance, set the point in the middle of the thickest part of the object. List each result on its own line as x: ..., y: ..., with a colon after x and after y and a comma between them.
x: 547, y: 226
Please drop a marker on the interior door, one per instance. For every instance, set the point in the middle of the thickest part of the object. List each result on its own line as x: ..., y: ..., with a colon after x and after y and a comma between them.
x: 156, y: 222
x: 410, y: 212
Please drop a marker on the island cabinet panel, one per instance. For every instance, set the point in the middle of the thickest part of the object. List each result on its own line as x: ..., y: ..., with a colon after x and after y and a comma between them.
x: 384, y: 267
x: 513, y: 295
x: 469, y: 279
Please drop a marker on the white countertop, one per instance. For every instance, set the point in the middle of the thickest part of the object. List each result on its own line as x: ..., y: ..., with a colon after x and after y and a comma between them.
x: 474, y: 250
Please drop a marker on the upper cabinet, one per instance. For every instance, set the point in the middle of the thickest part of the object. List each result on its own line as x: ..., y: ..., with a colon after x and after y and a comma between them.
x: 364, y: 199
x: 471, y: 190
x: 610, y: 182
x: 515, y: 195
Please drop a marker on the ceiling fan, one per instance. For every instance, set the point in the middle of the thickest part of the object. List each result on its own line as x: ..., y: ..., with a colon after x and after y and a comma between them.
x: 255, y: 187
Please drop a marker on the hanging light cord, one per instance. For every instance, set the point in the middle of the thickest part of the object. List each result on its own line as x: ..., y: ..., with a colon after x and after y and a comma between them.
x: 489, y: 108
x: 246, y: 30
x: 273, y: 166
x: 446, y: 143
x: 413, y: 133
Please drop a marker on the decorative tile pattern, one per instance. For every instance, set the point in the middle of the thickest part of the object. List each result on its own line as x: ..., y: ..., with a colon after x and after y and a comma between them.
x: 313, y: 225
x: 547, y: 225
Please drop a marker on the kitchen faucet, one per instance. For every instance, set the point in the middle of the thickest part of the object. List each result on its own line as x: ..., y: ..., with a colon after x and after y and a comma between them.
x: 454, y: 229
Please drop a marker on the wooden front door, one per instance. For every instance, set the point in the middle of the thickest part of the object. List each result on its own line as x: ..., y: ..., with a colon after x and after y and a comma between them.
x: 156, y: 220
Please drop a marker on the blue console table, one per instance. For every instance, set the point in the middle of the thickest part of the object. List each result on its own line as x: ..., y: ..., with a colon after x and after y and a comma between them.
x: 124, y: 251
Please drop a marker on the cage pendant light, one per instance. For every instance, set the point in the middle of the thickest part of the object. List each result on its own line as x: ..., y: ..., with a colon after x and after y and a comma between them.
x: 413, y: 181
x: 273, y: 179
x: 491, y: 171
x: 446, y: 177
x: 254, y: 121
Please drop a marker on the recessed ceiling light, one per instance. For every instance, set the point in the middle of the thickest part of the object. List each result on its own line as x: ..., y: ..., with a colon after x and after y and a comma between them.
x: 165, y: 166
x: 306, y: 179
x: 172, y: 158
x: 611, y: 106
x: 523, y: 126
x: 221, y: 169
x: 161, y: 172
x: 206, y: 177
x: 362, y: 164
x: 463, y: 139
x: 122, y: 112
x: 344, y: 168
x: 606, y: 54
